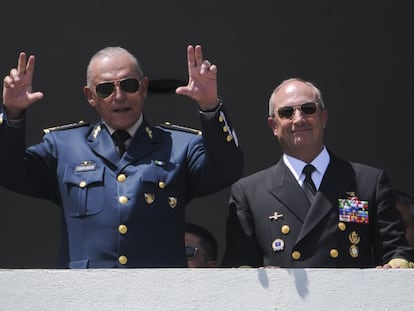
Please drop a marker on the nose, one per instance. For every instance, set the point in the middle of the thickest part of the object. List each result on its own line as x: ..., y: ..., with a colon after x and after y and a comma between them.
x: 118, y: 90
x: 297, y: 113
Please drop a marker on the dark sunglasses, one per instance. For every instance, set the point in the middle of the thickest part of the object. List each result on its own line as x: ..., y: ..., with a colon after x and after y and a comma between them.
x: 105, y: 89
x: 308, y: 109
x: 191, y: 251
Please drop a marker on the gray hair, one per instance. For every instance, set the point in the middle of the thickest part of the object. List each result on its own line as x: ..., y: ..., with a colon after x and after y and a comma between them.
x: 318, y: 93
x: 110, y: 52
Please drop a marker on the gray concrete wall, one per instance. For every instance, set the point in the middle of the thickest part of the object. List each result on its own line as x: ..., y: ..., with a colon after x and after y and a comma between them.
x: 207, y: 289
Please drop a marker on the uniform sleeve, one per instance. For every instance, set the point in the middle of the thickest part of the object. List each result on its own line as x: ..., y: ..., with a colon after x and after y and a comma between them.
x: 241, y: 247
x: 390, y: 232
x: 223, y: 158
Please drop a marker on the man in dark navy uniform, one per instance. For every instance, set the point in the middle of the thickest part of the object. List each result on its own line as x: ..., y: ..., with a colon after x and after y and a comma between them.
x: 312, y: 209
x: 123, y: 199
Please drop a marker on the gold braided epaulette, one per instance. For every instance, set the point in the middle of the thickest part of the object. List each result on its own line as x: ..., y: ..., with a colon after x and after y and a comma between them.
x: 170, y: 126
x: 65, y: 126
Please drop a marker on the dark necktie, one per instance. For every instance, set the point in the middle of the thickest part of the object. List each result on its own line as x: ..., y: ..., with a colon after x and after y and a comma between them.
x: 308, y: 185
x: 119, y: 137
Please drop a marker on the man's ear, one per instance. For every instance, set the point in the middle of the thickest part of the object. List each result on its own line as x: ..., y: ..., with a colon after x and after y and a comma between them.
x: 324, y: 113
x: 145, y: 86
x: 272, y: 125
x: 89, y: 95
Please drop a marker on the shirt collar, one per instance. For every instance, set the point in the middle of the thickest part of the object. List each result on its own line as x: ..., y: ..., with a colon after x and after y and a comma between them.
x: 132, y: 130
x: 320, y: 163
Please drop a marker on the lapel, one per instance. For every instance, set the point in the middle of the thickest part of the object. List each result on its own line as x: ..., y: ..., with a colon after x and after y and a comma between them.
x: 145, y: 140
x: 285, y: 187
x: 338, y: 178
x: 101, y: 143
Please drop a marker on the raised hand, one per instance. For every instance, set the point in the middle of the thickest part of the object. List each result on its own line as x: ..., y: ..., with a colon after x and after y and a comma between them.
x: 202, y: 79
x: 17, y: 87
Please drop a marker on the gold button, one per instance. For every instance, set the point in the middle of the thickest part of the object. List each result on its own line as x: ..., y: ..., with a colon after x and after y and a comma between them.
x: 121, y: 178
x: 225, y: 129
x: 221, y: 119
x: 82, y: 184
x: 122, y: 260
x: 122, y: 229
x: 341, y: 226
x: 161, y: 184
x: 285, y: 229
x: 123, y: 199
x: 296, y: 255
x: 333, y: 253
x: 229, y: 138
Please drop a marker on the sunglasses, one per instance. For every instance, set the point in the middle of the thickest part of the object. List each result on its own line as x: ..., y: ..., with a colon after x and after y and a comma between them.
x: 105, y: 89
x: 308, y: 109
x: 191, y: 251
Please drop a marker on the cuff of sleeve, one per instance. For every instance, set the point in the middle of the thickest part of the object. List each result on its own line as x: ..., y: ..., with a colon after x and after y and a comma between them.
x: 16, y: 122
x: 210, y: 113
x: 402, y: 263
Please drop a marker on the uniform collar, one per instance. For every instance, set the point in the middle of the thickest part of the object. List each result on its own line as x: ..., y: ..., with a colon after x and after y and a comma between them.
x: 132, y: 130
x: 296, y: 166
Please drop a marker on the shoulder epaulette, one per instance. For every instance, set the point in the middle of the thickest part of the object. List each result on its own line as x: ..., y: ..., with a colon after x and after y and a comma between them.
x: 65, y: 126
x: 168, y: 125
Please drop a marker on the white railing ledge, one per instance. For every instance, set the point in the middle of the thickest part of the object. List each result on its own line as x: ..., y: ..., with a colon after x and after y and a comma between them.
x: 207, y: 289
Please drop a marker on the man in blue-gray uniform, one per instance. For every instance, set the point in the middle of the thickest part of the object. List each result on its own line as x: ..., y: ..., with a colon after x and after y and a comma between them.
x: 123, y: 197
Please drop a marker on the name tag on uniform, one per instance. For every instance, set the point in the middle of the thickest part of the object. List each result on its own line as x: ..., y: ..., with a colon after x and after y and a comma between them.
x: 85, y: 166
x: 353, y: 210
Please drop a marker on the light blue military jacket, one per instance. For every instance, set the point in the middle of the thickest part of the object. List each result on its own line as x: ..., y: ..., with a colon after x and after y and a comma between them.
x: 122, y: 212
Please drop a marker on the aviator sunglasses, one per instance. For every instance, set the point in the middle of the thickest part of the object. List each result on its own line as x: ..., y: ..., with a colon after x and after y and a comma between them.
x: 105, y: 89
x: 308, y: 109
x: 192, y: 251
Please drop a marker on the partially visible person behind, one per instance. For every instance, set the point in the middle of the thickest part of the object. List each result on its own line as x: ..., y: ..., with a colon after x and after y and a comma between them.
x: 312, y: 209
x: 405, y: 205
x: 200, y: 247
x: 122, y: 183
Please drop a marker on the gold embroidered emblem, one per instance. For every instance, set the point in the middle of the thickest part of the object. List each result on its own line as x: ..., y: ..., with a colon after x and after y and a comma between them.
x: 96, y: 131
x: 149, y: 132
x: 354, y: 238
x: 149, y: 197
x: 172, y: 201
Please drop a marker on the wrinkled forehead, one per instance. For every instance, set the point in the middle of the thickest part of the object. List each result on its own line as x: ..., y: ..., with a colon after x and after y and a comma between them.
x: 293, y: 93
x: 113, y: 67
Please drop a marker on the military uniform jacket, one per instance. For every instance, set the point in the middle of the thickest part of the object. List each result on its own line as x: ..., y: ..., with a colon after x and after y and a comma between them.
x: 122, y: 212
x: 271, y: 223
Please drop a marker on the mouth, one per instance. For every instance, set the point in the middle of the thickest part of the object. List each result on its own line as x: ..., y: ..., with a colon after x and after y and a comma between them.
x: 121, y: 109
x: 302, y: 130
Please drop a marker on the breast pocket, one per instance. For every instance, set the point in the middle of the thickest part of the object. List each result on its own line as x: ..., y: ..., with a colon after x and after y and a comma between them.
x: 85, y: 190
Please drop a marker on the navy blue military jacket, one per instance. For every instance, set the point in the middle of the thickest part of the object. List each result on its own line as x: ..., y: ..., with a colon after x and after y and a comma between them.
x: 122, y: 212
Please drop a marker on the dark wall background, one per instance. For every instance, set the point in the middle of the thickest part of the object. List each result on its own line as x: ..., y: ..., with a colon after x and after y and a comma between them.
x: 358, y: 52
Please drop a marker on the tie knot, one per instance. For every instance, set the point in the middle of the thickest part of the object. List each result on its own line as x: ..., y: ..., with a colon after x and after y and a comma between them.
x: 308, y: 170
x: 120, y: 136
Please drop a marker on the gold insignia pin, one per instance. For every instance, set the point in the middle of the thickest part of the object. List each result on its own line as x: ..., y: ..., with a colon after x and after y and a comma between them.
x: 96, y: 131
x: 172, y: 201
x: 149, y: 132
x: 149, y: 197
x: 275, y: 216
x: 354, y: 238
x: 354, y: 251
